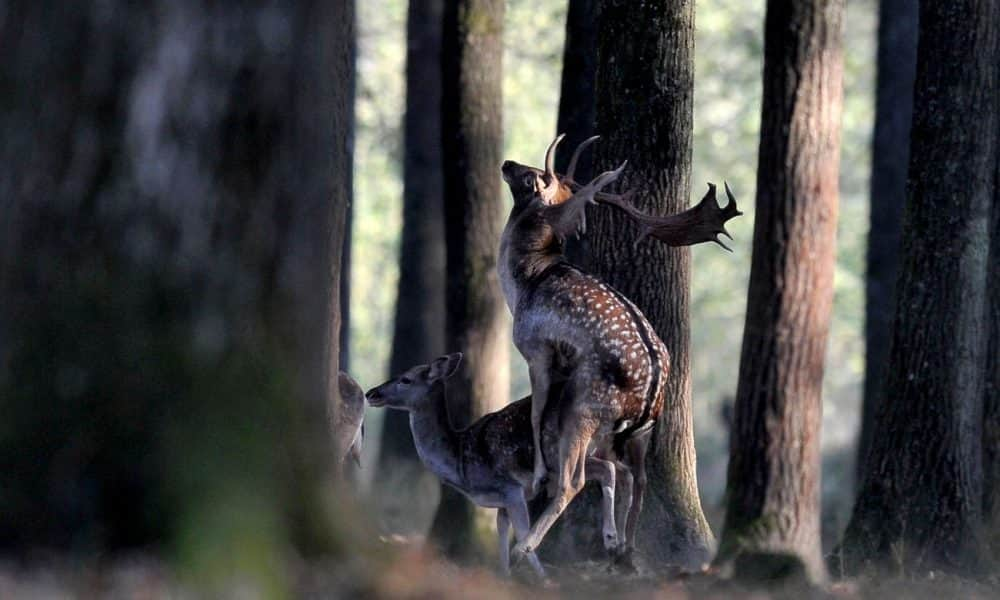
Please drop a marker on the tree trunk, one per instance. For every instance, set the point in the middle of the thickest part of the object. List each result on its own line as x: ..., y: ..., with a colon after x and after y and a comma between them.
x: 477, y: 326
x: 772, y: 526
x: 576, y: 102
x: 645, y: 77
x: 897, y: 66
x: 418, y: 335
x: 991, y: 395
x: 344, y: 294
x: 172, y: 211
x: 920, y: 501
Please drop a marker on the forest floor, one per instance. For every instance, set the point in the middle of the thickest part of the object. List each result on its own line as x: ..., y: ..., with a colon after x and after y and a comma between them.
x: 413, y: 573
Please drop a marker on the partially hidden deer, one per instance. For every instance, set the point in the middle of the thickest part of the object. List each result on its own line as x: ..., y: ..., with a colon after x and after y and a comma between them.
x: 490, y: 461
x: 580, y: 333
x: 349, y: 426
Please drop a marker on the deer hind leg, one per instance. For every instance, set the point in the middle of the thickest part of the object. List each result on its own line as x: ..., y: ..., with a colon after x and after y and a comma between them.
x: 603, y: 472
x: 574, y: 439
x: 539, y: 370
x: 623, y: 505
x: 635, y: 457
x: 503, y: 540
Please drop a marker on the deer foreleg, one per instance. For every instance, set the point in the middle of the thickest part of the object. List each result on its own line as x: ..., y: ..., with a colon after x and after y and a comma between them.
x: 517, y: 513
x: 603, y: 472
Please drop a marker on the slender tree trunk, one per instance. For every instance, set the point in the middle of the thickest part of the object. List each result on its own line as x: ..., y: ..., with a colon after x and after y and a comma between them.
x: 172, y: 212
x: 418, y: 336
x: 576, y: 101
x: 472, y: 132
x: 577, y: 534
x: 645, y: 79
x: 897, y: 66
x: 919, y: 505
x: 991, y: 394
x: 772, y: 526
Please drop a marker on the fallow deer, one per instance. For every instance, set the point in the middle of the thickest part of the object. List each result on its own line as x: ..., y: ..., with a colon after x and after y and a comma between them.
x: 572, y: 327
x: 491, y: 460
x: 349, y: 428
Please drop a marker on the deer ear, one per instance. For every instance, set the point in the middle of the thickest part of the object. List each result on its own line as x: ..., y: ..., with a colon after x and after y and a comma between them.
x: 350, y: 391
x: 445, y: 366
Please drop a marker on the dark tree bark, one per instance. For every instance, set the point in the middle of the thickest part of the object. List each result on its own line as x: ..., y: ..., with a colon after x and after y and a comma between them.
x: 772, y: 526
x: 172, y: 212
x: 991, y: 390
x: 897, y: 66
x: 477, y: 323
x: 919, y: 505
x: 418, y: 335
x: 576, y: 100
x: 344, y: 295
x: 645, y: 77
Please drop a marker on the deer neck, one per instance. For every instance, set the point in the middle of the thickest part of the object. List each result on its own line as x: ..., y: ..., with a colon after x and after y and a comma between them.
x: 437, y: 444
x: 528, y: 247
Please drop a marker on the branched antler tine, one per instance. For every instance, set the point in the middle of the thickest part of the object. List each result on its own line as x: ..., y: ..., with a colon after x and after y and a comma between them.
x: 550, y: 156
x: 731, y: 209
x: 608, y: 177
x: 576, y: 155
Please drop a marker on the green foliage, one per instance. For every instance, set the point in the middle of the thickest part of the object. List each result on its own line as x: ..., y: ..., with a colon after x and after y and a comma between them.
x: 728, y: 51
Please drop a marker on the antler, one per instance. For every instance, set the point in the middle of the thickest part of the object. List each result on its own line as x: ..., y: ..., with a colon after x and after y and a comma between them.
x: 552, y: 185
x: 703, y: 222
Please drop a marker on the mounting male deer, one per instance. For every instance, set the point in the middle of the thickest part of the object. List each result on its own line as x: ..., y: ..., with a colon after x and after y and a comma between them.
x: 491, y: 460
x: 349, y: 429
x: 572, y: 328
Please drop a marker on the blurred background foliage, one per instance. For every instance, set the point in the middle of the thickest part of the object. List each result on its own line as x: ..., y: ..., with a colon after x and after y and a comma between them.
x: 728, y: 56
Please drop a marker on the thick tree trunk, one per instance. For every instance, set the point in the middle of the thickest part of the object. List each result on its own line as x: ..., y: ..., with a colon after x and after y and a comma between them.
x: 645, y: 78
x: 897, y: 66
x: 472, y: 133
x: 920, y: 501
x: 772, y: 526
x: 172, y: 211
x: 418, y: 335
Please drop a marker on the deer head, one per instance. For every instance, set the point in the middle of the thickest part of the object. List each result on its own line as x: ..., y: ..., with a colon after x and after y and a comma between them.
x: 408, y: 390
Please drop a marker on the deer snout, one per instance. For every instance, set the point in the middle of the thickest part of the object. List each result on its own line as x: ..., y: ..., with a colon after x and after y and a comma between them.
x: 507, y: 169
x: 375, y: 398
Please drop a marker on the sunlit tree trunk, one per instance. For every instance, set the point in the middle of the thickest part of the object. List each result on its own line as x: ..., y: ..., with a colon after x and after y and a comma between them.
x: 477, y: 326
x: 897, y: 65
x: 171, y: 213
x: 919, y: 504
x: 772, y: 526
x: 645, y: 84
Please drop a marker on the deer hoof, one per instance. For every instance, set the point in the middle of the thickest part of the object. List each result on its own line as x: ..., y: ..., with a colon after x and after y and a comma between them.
x: 624, y: 561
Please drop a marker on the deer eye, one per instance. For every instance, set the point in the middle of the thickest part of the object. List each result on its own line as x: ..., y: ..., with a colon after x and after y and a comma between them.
x: 529, y: 180
x: 405, y: 380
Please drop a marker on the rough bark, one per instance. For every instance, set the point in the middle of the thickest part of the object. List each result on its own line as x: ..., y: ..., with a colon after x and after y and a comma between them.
x: 418, y: 334
x: 477, y: 323
x: 920, y: 502
x: 991, y: 389
x: 645, y: 79
x: 169, y: 275
x: 772, y: 525
x: 897, y: 66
